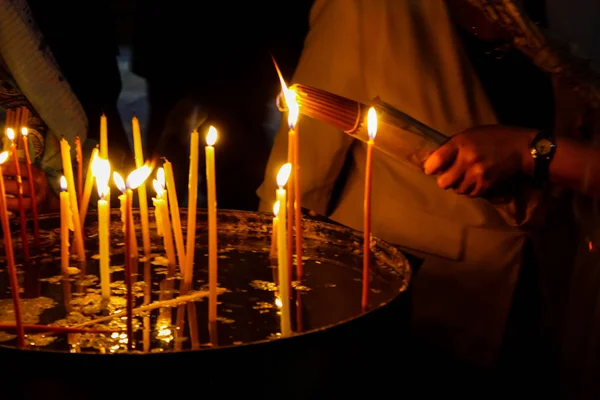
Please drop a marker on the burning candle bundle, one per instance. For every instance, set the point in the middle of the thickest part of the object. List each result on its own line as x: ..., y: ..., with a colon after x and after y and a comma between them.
x: 372, y: 123
x: 102, y: 173
x: 163, y: 222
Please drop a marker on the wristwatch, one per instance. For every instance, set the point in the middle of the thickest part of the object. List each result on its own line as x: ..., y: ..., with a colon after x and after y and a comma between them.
x: 543, y: 148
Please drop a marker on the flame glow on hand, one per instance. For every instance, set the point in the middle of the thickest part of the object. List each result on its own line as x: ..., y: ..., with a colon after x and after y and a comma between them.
x: 372, y: 123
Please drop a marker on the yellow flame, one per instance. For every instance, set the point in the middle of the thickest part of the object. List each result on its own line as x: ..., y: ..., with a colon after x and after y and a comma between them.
x: 94, y: 161
x: 158, y: 187
x: 372, y: 123
x: 101, y: 170
x: 63, y: 183
x: 293, y: 108
x: 276, y: 208
x: 3, y: 157
x: 24, y: 132
x: 284, y: 174
x: 278, y: 302
x: 10, y: 133
x: 119, y: 182
x: 138, y: 177
x: 160, y: 176
x: 211, y: 136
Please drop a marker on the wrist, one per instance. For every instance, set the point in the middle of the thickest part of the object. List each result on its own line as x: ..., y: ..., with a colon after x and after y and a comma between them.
x: 527, y: 158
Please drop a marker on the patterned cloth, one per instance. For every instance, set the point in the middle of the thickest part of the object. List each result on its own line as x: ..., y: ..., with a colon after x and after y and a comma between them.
x: 30, y: 77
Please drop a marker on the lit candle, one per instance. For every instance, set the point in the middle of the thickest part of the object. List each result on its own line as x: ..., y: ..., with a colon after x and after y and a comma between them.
x: 10, y: 257
x: 135, y: 180
x: 139, y: 162
x: 102, y: 173
x: 89, y: 184
x: 293, y: 113
x: 10, y: 133
x: 273, y: 253
x: 66, y: 225
x: 34, y: 210
x: 120, y: 184
x: 65, y: 151
x: 372, y: 129
x: 174, y: 206
x: 211, y: 191
x: 79, y: 160
x: 282, y: 250
x: 163, y: 223
x: 103, y: 137
x: 192, y: 205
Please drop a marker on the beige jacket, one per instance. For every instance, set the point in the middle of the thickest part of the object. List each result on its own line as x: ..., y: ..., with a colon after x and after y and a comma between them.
x: 407, y: 53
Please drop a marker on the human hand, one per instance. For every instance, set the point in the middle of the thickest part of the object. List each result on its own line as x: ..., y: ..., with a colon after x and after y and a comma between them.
x: 476, y: 159
x: 44, y: 197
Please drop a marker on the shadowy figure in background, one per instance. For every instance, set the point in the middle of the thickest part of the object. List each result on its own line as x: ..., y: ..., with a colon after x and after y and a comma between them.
x: 83, y: 39
x: 209, y: 63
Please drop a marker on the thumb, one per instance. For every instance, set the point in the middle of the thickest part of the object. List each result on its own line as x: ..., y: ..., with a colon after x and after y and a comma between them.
x: 440, y: 158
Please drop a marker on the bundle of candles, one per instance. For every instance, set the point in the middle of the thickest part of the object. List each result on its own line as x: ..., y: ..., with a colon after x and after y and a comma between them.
x: 75, y: 198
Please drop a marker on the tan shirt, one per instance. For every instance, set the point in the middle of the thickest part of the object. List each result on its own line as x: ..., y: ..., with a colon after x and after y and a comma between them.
x: 407, y: 53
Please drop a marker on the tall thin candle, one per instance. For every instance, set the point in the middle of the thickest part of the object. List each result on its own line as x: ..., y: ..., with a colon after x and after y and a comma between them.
x: 282, y: 250
x: 211, y: 191
x: 10, y: 256
x: 163, y: 223
x: 293, y: 113
x: 103, y: 137
x: 66, y: 225
x: 88, y: 186
x: 79, y: 160
x: 139, y: 162
x: 65, y: 151
x: 273, y: 252
x: 10, y: 133
x: 102, y: 173
x: 32, y: 195
x: 372, y: 130
x: 192, y: 205
x: 174, y: 207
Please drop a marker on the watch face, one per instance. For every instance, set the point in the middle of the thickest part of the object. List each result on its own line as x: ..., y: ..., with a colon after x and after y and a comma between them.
x: 543, y: 147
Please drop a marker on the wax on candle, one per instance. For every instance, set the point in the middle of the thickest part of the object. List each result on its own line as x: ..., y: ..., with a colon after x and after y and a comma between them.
x: 282, y: 250
x: 66, y: 225
x: 162, y: 219
x: 293, y: 113
x: 211, y: 191
x: 103, y: 137
x: 10, y: 133
x: 143, y: 200
x: 10, y: 257
x: 65, y: 151
x: 372, y: 130
x: 88, y: 186
x: 192, y: 205
x: 102, y: 173
x: 174, y: 206
x: 79, y: 160
x: 273, y: 252
x: 32, y: 195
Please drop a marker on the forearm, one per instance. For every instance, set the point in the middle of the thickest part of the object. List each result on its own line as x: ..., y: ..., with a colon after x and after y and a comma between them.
x: 576, y: 165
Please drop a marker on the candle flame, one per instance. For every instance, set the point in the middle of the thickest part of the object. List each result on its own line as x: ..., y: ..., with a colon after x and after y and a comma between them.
x: 95, y: 159
x: 138, y: 177
x: 119, y: 182
x: 278, y: 302
x: 102, y: 173
x: 24, y: 132
x: 10, y: 132
x: 284, y: 174
x: 160, y: 176
x: 372, y: 123
x: 290, y: 99
x: 3, y: 157
x: 276, y: 208
x: 293, y: 108
x: 211, y: 136
x: 158, y: 187
x: 63, y: 184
